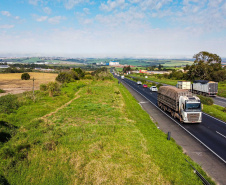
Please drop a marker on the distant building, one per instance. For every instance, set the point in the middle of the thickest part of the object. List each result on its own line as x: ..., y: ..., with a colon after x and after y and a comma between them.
x: 113, y: 63
x: 4, y: 66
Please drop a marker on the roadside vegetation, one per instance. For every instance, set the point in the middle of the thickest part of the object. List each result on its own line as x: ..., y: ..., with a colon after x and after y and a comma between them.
x: 92, y: 132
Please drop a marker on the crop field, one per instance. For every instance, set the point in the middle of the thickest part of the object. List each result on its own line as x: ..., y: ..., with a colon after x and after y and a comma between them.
x: 12, y: 83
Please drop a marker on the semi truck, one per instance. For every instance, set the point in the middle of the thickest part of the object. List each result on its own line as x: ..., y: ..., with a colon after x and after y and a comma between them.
x: 183, y: 85
x: 204, y: 87
x: 180, y: 104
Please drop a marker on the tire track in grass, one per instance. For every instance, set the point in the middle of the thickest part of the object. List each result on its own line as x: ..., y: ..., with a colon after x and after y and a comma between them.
x: 63, y: 106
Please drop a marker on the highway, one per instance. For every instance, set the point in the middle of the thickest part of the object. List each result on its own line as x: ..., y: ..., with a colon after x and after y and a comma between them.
x: 217, y: 100
x: 211, y: 133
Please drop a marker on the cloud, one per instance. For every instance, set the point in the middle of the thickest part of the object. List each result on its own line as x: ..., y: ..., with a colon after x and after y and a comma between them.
x: 34, y: 2
x: 6, y: 13
x: 69, y: 4
x: 86, y: 10
x: 111, y: 5
x: 47, y: 10
x: 41, y: 18
x: 56, y: 19
x: 6, y: 26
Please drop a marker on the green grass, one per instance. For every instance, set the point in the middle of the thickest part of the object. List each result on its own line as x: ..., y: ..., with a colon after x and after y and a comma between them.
x: 102, y: 137
x: 215, y: 111
x: 222, y: 89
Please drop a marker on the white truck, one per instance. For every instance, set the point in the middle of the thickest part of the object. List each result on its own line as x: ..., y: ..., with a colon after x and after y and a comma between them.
x: 180, y: 104
x: 122, y: 77
x: 184, y: 85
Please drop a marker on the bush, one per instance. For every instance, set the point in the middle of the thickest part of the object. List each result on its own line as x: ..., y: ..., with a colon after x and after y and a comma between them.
x: 2, y: 91
x: 25, y: 76
x: 8, y: 103
x: 159, y: 85
x: 206, y: 100
x: 43, y: 87
x: 53, y: 88
x: 66, y: 77
x: 224, y: 110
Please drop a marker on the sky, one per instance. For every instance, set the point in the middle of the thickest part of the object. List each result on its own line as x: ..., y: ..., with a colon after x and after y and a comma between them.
x: 112, y: 28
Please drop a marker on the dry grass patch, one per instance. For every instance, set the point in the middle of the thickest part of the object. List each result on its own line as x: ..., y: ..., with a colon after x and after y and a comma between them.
x: 12, y: 83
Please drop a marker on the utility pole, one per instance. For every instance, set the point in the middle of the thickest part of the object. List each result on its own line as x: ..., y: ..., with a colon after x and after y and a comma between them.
x: 33, y: 88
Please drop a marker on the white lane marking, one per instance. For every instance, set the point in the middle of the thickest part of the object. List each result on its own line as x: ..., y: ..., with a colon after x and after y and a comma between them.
x: 179, y: 125
x: 221, y: 134
x: 214, y: 118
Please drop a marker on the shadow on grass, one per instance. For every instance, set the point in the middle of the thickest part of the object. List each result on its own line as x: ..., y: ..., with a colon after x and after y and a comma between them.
x: 3, y: 180
x: 4, y: 137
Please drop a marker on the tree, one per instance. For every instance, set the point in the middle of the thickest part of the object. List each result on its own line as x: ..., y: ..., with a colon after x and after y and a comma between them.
x: 204, y: 66
x: 160, y: 67
x: 126, y: 69
x: 25, y: 76
x: 80, y: 72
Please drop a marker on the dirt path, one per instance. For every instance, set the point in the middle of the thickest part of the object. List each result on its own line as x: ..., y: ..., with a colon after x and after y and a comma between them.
x: 63, y: 106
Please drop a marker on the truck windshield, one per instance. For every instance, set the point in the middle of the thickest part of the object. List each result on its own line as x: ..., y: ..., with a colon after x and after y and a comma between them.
x: 193, y: 106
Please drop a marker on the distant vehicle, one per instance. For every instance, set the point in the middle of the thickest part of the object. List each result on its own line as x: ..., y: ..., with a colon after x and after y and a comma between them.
x: 153, y: 89
x: 145, y: 86
x: 139, y: 83
x: 122, y: 77
x: 204, y: 87
x: 180, y: 103
x: 183, y: 85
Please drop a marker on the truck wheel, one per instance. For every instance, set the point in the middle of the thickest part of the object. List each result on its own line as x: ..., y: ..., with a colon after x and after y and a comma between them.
x: 181, y: 120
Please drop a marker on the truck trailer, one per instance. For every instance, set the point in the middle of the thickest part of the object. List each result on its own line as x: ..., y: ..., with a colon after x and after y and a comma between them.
x: 183, y: 85
x: 204, y: 87
x: 180, y: 104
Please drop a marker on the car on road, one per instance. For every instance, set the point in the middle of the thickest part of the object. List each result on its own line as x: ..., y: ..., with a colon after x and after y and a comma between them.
x: 153, y: 89
x: 145, y: 86
x: 139, y: 83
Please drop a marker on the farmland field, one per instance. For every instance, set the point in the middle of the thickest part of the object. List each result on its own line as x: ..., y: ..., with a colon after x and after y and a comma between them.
x: 13, y: 84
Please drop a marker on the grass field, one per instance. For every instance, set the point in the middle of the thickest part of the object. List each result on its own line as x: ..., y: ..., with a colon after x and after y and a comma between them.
x: 95, y: 132
x: 12, y: 83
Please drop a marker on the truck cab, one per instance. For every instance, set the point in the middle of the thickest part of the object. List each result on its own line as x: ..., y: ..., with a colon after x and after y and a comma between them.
x: 190, y: 109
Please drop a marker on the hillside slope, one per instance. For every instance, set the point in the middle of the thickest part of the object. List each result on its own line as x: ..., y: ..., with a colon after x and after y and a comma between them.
x: 93, y: 133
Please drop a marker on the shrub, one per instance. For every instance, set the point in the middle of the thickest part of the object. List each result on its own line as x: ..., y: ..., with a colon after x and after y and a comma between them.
x: 206, y: 100
x: 8, y: 103
x: 2, y: 91
x: 224, y: 110
x: 53, y: 88
x: 43, y: 87
x: 66, y: 77
x: 159, y: 85
x: 25, y: 76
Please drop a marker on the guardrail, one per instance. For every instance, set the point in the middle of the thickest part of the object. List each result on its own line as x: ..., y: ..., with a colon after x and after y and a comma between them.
x: 204, y: 181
